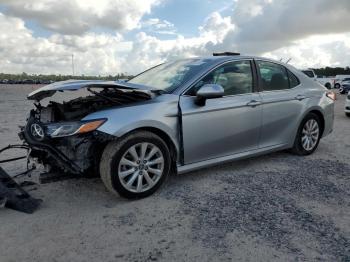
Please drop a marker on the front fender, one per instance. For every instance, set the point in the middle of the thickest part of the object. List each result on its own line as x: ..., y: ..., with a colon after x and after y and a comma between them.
x: 160, y: 113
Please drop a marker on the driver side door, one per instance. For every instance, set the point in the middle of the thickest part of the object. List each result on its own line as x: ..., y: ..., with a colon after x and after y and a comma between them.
x: 223, y: 126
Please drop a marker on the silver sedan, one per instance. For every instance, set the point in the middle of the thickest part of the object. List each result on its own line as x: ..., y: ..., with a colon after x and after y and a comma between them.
x: 178, y: 117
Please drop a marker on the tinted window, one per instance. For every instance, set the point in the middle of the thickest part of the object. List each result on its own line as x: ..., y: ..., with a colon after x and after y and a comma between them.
x: 293, y: 80
x: 235, y: 77
x: 273, y: 76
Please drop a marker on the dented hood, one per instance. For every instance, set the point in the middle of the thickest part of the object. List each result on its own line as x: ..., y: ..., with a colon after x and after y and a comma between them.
x: 71, y: 85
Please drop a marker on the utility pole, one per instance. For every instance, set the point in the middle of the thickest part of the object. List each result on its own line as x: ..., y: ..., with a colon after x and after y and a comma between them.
x: 72, y: 64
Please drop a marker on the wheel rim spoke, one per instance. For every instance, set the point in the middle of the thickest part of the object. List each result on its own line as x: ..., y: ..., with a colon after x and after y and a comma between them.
x: 149, y: 180
x: 126, y: 173
x: 139, y: 183
x: 133, y: 153
x: 127, y: 162
x: 151, y: 153
x: 155, y: 171
x: 143, y: 151
x: 156, y: 161
x: 133, y: 178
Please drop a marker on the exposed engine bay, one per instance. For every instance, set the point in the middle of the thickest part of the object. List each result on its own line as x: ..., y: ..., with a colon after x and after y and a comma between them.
x: 60, y: 140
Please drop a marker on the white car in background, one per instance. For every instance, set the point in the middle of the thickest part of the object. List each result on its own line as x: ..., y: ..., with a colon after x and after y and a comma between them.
x: 328, y: 82
x: 339, y: 79
x: 347, y: 105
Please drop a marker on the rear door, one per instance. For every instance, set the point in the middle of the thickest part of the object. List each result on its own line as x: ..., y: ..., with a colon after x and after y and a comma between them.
x: 226, y: 125
x: 283, y: 103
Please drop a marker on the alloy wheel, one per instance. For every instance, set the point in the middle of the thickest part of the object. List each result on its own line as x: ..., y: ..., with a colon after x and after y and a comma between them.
x: 141, y: 167
x: 310, y: 135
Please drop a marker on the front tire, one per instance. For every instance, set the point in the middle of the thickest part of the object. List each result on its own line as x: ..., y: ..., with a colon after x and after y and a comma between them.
x: 337, y: 85
x: 136, y: 165
x: 308, y: 136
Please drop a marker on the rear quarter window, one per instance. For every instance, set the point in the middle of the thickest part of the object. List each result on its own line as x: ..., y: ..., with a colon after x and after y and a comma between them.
x: 293, y: 80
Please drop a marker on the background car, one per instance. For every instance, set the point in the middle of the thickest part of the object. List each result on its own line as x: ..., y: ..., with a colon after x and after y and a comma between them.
x: 339, y: 79
x: 344, y: 87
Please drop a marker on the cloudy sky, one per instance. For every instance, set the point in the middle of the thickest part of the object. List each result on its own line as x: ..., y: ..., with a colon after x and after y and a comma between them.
x: 114, y: 36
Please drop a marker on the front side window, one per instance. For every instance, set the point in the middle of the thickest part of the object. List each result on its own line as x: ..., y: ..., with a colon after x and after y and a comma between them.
x: 235, y: 77
x: 273, y: 76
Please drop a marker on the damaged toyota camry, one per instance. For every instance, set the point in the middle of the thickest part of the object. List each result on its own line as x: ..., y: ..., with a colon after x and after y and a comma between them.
x: 177, y: 117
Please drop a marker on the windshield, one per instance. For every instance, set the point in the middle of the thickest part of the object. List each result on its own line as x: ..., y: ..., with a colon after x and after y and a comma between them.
x: 171, y: 75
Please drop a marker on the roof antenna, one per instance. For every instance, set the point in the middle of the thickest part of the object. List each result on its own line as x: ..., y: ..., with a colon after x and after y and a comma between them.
x: 288, y: 60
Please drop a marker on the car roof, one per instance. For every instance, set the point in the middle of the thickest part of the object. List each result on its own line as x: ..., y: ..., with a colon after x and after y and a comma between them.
x: 224, y: 58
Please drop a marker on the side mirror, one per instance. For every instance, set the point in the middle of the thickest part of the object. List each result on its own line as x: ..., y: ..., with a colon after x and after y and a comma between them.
x: 209, y: 91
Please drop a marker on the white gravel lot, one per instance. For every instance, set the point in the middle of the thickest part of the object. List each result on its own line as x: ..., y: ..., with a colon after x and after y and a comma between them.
x: 277, y: 207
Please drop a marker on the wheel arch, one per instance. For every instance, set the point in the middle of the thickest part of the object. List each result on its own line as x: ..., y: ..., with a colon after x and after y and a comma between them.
x: 321, y: 117
x: 317, y: 111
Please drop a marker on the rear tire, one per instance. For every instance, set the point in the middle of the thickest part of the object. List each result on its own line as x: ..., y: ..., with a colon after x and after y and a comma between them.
x: 136, y: 165
x: 308, y: 136
x: 337, y: 85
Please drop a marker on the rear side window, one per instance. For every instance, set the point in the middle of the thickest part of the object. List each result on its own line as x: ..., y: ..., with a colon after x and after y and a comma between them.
x: 293, y: 80
x: 273, y: 76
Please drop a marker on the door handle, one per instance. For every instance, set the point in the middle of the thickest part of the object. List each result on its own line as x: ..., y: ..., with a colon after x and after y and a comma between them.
x: 254, y: 103
x: 300, y: 97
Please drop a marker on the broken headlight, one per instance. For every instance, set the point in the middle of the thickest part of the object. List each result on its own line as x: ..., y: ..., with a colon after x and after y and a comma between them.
x: 72, y: 128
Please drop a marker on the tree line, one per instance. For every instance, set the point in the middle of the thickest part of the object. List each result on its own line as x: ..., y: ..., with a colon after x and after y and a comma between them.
x: 42, y: 78
x: 332, y: 71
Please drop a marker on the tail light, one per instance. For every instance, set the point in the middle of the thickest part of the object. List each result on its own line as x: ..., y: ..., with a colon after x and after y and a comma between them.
x: 331, y: 95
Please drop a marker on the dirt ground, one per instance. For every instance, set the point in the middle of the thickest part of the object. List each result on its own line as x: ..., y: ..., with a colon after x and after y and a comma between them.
x: 277, y: 207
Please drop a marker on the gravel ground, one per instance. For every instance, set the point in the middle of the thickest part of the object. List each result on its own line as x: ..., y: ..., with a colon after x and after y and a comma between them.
x: 277, y: 207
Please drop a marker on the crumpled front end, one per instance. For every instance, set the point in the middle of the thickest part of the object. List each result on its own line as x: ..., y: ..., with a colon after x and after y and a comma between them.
x: 59, y: 138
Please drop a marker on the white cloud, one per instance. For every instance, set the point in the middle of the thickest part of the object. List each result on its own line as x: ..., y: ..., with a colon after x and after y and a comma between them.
x: 22, y: 52
x: 158, y: 26
x: 280, y: 23
x: 76, y: 17
x: 316, y: 51
x: 313, y: 33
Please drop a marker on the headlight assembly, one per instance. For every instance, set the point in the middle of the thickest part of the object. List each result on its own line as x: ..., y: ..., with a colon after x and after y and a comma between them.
x: 72, y: 128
